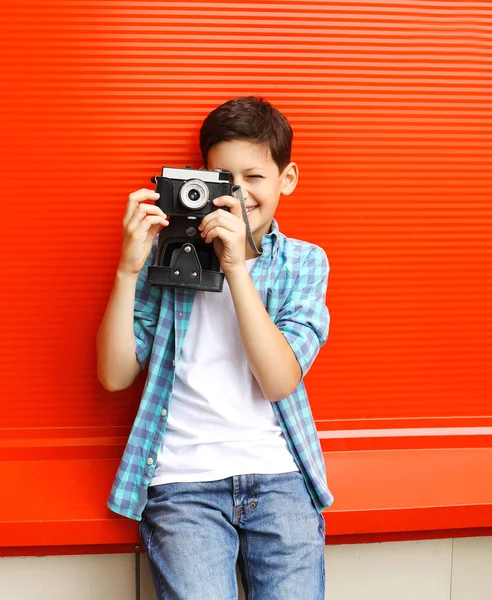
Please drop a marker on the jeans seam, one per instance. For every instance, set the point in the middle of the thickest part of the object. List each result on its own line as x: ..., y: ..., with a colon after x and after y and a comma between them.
x: 322, y: 530
x: 242, y: 545
x: 323, y: 574
x: 156, y: 568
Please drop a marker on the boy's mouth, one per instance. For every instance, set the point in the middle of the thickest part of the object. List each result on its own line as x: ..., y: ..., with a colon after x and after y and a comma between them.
x: 250, y: 209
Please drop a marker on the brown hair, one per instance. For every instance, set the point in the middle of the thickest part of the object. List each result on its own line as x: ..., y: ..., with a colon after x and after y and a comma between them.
x: 252, y: 119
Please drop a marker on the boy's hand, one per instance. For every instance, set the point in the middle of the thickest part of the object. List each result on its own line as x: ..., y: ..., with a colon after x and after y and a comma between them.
x: 142, y: 222
x: 227, y: 231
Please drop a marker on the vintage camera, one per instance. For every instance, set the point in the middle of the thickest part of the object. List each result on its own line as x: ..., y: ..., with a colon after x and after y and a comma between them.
x: 183, y: 259
x: 190, y: 192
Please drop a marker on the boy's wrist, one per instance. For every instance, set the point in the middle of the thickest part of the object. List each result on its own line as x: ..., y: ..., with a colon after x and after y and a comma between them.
x: 123, y: 273
x: 238, y: 271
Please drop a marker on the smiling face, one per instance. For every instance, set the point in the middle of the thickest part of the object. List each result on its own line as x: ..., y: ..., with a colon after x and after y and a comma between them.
x: 253, y: 168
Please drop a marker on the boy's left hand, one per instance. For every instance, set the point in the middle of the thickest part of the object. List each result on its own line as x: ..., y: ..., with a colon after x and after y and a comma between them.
x: 227, y: 231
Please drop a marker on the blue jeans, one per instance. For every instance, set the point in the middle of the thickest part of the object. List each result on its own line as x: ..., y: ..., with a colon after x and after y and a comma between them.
x: 195, y: 532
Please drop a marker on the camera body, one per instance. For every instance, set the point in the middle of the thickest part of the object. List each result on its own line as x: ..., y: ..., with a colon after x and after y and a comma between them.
x: 183, y: 259
x: 190, y: 192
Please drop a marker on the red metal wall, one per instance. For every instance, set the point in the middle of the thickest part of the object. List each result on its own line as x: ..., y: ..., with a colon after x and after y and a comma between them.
x: 390, y: 103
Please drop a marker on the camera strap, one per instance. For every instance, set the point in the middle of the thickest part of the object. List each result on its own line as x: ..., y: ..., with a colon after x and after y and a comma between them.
x: 249, y: 235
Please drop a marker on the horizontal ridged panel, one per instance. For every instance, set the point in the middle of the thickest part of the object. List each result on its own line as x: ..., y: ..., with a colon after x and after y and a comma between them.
x: 390, y: 103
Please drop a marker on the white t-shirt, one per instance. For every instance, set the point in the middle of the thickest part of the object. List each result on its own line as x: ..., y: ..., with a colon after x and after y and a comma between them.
x: 219, y: 422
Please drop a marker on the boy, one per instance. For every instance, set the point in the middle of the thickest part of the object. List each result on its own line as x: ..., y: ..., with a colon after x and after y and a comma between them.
x: 223, y: 463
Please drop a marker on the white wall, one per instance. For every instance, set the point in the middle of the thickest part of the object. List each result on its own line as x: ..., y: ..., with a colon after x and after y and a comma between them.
x: 459, y: 569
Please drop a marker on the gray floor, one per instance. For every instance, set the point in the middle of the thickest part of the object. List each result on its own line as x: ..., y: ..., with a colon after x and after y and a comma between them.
x: 459, y: 569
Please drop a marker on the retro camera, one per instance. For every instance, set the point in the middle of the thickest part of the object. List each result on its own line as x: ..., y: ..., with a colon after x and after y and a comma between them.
x: 183, y: 259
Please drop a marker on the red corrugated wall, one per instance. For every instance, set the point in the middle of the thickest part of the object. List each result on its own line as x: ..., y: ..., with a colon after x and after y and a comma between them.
x: 391, y: 107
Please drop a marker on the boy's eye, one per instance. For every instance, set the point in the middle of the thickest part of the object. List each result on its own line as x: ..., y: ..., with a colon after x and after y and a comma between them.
x: 255, y: 176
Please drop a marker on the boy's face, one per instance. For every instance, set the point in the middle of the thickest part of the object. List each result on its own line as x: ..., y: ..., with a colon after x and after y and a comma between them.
x: 253, y: 168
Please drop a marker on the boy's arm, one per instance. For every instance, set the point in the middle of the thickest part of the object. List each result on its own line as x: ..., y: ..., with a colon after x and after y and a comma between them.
x: 117, y: 365
x: 304, y: 319
x: 126, y: 333
x: 280, y: 354
x: 269, y: 355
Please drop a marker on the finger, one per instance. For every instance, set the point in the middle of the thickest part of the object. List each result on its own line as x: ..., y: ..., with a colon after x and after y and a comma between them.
x: 210, y: 218
x: 219, y: 233
x: 216, y: 214
x: 134, y: 200
x: 225, y: 220
x: 141, y: 211
x: 135, y: 224
x: 232, y: 203
x: 154, y: 230
x: 150, y: 221
x: 226, y: 234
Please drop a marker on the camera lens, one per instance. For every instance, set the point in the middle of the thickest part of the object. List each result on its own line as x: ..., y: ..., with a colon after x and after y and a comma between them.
x: 193, y: 195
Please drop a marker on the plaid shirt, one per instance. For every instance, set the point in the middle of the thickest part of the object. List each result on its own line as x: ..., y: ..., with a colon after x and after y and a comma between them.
x: 291, y: 277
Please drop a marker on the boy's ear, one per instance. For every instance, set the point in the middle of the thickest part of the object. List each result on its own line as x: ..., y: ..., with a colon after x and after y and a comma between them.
x: 290, y: 177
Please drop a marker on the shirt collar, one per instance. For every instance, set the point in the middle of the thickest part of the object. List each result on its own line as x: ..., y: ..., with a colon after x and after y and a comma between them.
x: 270, y: 240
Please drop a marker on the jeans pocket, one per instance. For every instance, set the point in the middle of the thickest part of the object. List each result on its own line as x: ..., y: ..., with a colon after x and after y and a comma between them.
x: 145, y: 530
x: 140, y: 527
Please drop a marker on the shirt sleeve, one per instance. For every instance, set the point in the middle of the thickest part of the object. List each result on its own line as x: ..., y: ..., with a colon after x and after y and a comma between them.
x: 146, y: 311
x: 304, y: 318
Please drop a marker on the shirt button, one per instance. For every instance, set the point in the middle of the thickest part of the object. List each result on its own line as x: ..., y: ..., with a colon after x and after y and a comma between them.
x: 252, y: 505
x: 150, y: 461
x: 163, y: 412
x: 180, y: 314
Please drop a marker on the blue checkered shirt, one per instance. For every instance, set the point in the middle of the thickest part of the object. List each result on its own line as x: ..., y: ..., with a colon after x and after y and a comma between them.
x: 291, y: 277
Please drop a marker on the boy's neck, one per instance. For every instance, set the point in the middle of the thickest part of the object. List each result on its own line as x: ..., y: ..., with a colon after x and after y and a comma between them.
x: 250, y: 253
x: 258, y: 238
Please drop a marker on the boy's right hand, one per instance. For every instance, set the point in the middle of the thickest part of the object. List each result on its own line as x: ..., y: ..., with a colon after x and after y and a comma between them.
x: 142, y: 222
